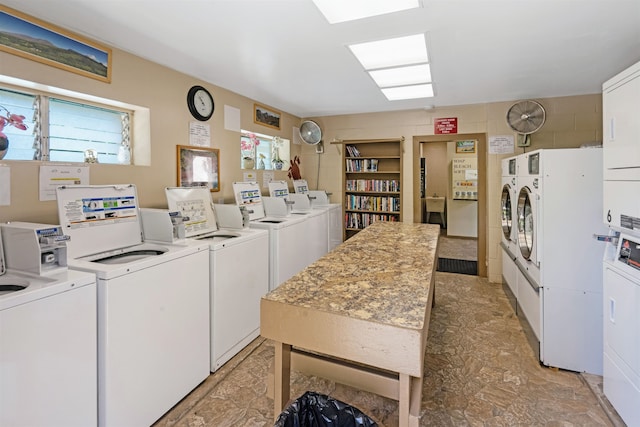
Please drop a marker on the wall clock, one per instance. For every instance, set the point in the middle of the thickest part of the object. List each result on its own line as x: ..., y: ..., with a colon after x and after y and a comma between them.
x: 200, y: 103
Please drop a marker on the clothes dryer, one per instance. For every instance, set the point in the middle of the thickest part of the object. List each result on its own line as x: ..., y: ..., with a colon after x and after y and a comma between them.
x: 153, y: 304
x: 559, y: 264
x: 508, y: 213
x: 239, y: 270
x: 287, y: 235
x: 48, y: 360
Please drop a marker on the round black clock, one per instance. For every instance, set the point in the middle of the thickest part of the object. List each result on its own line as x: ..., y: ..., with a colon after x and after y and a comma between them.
x: 200, y: 103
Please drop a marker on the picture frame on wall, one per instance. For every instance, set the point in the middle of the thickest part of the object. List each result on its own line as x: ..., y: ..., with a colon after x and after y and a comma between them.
x: 466, y: 147
x: 31, y: 38
x: 198, y: 167
x: 266, y: 116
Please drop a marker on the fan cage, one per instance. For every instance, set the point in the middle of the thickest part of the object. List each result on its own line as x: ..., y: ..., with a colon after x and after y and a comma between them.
x: 526, y: 117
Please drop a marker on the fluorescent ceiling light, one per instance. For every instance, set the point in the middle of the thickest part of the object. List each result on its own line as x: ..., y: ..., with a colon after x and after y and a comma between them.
x: 348, y: 10
x: 402, y: 76
x: 391, y: 52
x: 408, y: 92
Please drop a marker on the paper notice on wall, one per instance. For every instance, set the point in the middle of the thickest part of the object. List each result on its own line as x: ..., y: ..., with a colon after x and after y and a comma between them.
x: 199, y: 134
x: 231, y: 118
x: 501, y: 144
x: 5, y: 188
x: 267, y: 177
x: 53, y: 176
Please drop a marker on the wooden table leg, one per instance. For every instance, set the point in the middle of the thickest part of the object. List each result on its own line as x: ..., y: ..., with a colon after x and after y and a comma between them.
x: 404, y: 399
x: 410, y: 400
x: 282, y: 372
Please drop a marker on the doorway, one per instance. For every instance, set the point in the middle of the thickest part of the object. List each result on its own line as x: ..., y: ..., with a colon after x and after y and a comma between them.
x: 481, y: 221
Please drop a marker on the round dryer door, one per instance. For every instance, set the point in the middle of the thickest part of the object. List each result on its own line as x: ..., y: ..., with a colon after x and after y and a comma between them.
x: 525, y: 223
x: 505, y: 205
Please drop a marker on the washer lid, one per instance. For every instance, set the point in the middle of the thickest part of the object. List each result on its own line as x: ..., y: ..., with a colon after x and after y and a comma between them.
x: 300, y: 186
x: 248, y: 196
x: 279, y: 189
x: 99, y: 218
x: 193, y: 203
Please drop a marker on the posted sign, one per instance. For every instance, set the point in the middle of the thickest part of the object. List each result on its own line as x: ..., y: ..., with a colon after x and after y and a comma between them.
x: 446, y: 126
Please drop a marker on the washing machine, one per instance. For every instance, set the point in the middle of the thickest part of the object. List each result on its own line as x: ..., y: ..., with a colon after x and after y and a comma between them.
x: 559, y: 262
x: 316, y: 219
x: 239, y: 268
x: 152, y: 304
x: 288, y: 238
x: 508, y: 215
x: 48, y: 360
x: 320, y: 200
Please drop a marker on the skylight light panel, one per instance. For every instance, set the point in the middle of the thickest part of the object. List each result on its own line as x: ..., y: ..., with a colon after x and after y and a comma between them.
x: 402, y: 76
x: 391, y: 52
x: 408, y: 92
x: 336, y: 11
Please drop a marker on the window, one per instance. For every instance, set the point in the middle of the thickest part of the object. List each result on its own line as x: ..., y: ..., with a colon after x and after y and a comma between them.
x: 258, y: 151
x: 62, y: 131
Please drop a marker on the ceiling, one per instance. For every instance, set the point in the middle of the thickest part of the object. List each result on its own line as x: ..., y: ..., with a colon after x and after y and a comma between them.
x: 283, y: 53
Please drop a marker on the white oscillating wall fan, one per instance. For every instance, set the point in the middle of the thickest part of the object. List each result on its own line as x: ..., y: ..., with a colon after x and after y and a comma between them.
x: 311, y: 134
x: 525, y: 117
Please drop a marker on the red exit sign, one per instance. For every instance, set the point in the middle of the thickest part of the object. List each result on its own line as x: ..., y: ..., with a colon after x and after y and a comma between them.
x: 446, y: 125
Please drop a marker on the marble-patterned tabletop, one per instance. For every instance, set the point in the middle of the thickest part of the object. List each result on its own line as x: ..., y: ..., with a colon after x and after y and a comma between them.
x: 382, y: 274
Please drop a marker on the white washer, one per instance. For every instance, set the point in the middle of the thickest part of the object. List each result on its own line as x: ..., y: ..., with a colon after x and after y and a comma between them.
x: 621, y: 373
x: 239, y: 271
x: 153, y: 305
x: 287, y: 236
x: 320, y: 200
x: 48, y: 361
x: 560, y: 263
x: 508, y: 213
x: 316, y: 219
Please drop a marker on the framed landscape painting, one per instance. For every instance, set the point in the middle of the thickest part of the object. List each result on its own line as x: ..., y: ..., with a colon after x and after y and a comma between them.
x: 31, y: 38
x: 266, y: 116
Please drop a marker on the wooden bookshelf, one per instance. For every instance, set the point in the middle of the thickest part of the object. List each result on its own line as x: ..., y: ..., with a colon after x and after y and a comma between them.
x: 372, y: 182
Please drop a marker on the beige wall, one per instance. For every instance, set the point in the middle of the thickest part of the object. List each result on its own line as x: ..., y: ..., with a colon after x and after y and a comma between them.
x: 163, y: 91
x: 571, y: 121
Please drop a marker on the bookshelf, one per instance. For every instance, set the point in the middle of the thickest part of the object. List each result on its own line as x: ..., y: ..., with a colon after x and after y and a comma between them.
x: 372, y: 182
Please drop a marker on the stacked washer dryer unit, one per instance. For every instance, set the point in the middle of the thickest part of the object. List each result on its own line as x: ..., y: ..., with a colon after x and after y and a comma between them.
x: 559, y: 267
x: 621, y: 212
x: 48, y: 361
x: 152, y: 300
x: 508, y: 214
x: 239, y: 268
x: 287, y: 235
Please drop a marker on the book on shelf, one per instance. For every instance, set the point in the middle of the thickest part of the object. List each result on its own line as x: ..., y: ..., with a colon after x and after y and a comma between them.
x: 362, y: 165
x: 352, y: 150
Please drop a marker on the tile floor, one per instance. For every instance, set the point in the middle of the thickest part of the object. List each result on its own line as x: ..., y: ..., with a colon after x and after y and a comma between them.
x: 479, y: 371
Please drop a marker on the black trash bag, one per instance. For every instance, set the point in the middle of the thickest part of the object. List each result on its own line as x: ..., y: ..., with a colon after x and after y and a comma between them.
x: 318, y: 410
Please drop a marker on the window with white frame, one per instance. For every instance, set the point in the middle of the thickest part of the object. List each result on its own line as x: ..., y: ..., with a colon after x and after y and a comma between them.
x: 63, y: 130
x: 259, y: 151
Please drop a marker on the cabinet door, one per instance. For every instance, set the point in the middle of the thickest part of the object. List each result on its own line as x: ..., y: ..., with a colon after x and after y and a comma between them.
x: 621, y: 127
